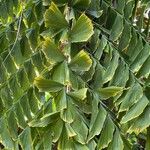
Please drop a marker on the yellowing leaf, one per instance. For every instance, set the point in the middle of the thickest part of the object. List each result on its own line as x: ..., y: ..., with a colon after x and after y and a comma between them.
x: 80, y: 94
x: 109, y: 91
x: 81, y: 62
x: 82, y: 30
x: 70, y: 131
x: 52, y: 52
x: 55, y: 20
x: 47, y: 85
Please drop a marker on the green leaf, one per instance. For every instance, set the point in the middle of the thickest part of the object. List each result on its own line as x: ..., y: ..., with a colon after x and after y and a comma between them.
x: 102, y: 44
x: 65, y: 143
x: 82, y: 30
x: 144, y: 70
x: 83, y: 4
x: 110, y: 71
x: 127, y: 144
x: 60, y: 2
x: 120, y: 6
x: 133, y: 44
x: 138, y: 46
x: 33, y: 100
x: 70, y: 131
x: 74, y: 80
x: 141, y: 58
x: 135, y: 110
x: 131, y: 97
x: 92, y: 144
x: 6, y: 97
x: 98, y: 77
x: 32, y: 35
x: 17, y: 54
x: 125, y: 38
x: 108, y: 92
x: 80, y: 94
x: 80, y: 128
x: 57, y: 128
x: 29, y: 67
x: 117, y: 28
x: 87, y: 76
x: 117, y: 142
x: 61, y: 73
x: 67, y: 115
x: 94, y: 98
x: 81, y: 62
x: 23, y: 79
x: 46, y: 2
x: 80, y: 146
x: 9, y: 64
x: 20, y: 116
x: 26, y: 139
x: 4, y: 134
x: 130, y: 5
x: 147, y: 147
x: 97, y: 125
x: 121, y: 75
x: 12, y: 124
x: 47, y: 141
x: 52, y: 52
x: 95, y: 8
x: 15, y: 88
x: 106, y: 134
x: 45, y: 120
x: 45, y: 85
x: 3, y: 75
x: 141, y: 123
x: 83, y: 52
x: 24, y: 102
x: 37, y: 61
x: 55, y: 20
x: 61, y: 100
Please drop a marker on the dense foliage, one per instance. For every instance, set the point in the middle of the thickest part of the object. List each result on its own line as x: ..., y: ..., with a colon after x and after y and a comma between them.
x: 74, y: 74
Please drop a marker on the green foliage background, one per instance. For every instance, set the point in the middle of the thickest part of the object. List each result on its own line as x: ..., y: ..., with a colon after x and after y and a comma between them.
x: 74, y: 74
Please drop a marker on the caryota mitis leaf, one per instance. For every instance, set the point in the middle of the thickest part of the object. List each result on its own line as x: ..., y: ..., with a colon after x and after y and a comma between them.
x: 74, y: 74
